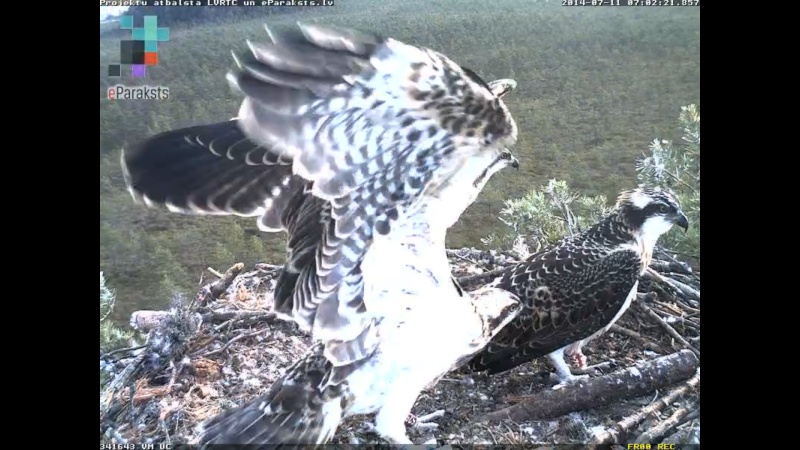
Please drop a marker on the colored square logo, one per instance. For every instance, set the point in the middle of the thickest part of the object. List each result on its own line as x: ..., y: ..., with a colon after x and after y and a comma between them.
x: 150, y: 58
x: 126, y: 22
x: 141, y: 49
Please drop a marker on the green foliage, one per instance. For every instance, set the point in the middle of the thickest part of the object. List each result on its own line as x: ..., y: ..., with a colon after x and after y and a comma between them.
x: 677, y: 166
x: 592, y: 84
x: 111, y: 336
x: 546, y: 215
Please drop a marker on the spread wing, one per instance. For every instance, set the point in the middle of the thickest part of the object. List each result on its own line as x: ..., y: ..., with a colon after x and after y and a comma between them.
x: 372, y: 123
x: 211, y: 170
x: 569, y: 293
x: 216, y: 170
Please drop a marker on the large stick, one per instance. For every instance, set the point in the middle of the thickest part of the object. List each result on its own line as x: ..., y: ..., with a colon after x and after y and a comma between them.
x: 619, y: 432
x: 631, y: 382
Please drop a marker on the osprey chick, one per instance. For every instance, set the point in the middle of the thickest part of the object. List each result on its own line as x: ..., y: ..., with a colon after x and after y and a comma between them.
x: 575, y: 290
x: 365, y: 150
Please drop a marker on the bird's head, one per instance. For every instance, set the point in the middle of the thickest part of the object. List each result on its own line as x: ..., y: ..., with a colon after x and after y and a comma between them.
x: 493, y: 121
x: 651, y: 211
x: 501, y: 160
x: 496, y: 308
x: 498, y: 157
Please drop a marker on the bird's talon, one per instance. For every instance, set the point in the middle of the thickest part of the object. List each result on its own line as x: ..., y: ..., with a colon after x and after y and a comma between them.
x: 424, y: 422
x: 578, y: 360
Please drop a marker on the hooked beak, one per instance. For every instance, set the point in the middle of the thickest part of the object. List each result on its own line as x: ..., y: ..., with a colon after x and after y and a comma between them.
x: 682, y: 222
x: 515, y: 163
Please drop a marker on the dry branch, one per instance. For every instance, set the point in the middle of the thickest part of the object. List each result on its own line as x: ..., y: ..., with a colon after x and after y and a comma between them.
x: 594, y: 369
x: 674, y: 284
x: 230, y: 342
x: 647, y: 343
x: 481, y: 276
x: 670, y: 267
x: 627, y: 383
x: 212, y: 291
x: 664, y: 428
x: 224, y: 316
x: 668, y: 328
x: 619, y: 432
x: 122, y: 379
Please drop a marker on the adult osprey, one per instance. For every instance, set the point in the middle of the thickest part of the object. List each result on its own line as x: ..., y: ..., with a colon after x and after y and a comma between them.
x: 366, y: 150
x: 575, y: 290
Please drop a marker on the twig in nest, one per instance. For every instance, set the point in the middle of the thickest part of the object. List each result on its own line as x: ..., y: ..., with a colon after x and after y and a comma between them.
x: 661, y: 430
x: 202, y: 343
x: 672, y: 319
x: 676, y: 285
x: 215, y: 273
x: 228, y: 344
x: 268, y: 267
x: 471, y: 278
x: 219, y: 317
x: 122, y: 350
x: 594, y: 369
x: 670, y: 266
x: 668, y: 328
x: 212, y: 291
x: 122, y: 379
x: 672, y: 309
x: 685, y: 306
x: 647, y: 343
x: 474, y: 263
x: 620, y: 430
x: 691, y: 417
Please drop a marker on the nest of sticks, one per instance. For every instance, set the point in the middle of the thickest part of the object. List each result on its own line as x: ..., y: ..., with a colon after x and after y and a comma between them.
x: 223, y: 347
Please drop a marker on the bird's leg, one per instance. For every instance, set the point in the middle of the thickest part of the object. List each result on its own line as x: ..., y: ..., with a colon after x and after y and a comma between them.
x: 391, y: 427
x: 576, y: 356
x: 424, y: 422
x: 390, y: 422
x: 565, y: 376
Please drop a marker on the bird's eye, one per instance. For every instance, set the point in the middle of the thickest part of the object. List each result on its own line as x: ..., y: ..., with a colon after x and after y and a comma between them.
x: 663, y: 209
x: 505, y: 155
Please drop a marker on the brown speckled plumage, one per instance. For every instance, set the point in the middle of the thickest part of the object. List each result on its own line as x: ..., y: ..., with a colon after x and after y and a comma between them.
x: 575, y: 288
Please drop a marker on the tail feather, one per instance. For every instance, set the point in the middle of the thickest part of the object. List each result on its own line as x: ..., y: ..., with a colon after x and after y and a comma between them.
x: 304, y: 407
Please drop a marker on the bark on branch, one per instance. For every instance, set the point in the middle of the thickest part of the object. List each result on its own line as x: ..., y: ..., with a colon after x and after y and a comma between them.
x: 619, y: 432
x: 658, y: 432
x: 481, y: 276
x: 120, y: 380
x: 212, y: 291
x: 674, y: 284
x: 631, y: 382
x: 668, y: 328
